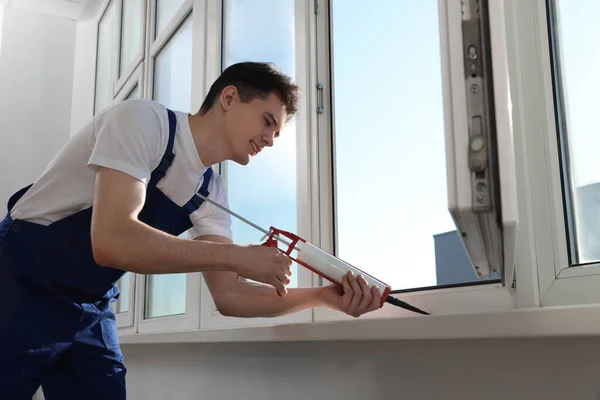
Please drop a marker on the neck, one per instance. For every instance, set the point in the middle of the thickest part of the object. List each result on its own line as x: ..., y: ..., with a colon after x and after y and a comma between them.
x: 209, y: 138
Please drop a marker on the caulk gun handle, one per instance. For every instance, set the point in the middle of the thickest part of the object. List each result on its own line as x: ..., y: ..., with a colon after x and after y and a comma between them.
x: 271, y: 242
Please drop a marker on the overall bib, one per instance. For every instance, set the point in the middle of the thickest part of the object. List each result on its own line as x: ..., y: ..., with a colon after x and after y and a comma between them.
x: 57, y: 328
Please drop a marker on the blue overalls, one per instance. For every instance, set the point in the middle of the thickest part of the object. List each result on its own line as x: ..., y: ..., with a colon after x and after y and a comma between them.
x: 56, y: 325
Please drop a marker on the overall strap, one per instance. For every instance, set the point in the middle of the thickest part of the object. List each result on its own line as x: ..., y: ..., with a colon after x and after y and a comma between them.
x: 196, y: 201
x: 16, y: 197
x: 168, y: 157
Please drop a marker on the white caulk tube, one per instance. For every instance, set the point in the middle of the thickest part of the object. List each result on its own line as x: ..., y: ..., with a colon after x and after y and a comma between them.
x: 333, y: 269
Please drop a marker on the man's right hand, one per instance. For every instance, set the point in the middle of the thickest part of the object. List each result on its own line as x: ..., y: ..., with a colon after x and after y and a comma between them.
x: 264, y: 264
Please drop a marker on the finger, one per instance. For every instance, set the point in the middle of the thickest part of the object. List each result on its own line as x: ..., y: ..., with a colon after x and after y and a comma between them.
x: 367, y: 297
x: 357, y: 296
x: 348, y: 293
x: 286, y: 262
x: 376, y: 299
x: 280, y: 287
x: 286, y: 265
x: 283, y: 278
x: 286, y: 259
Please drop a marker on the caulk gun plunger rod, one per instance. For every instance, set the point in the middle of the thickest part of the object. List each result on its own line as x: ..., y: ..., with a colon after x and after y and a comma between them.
x: 266, y: 232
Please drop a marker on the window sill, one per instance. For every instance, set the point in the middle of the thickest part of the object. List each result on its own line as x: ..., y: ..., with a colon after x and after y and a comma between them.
x: 534, y: 322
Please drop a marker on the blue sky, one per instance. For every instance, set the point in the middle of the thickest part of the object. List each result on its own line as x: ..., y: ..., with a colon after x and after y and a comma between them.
x: 579, y: 35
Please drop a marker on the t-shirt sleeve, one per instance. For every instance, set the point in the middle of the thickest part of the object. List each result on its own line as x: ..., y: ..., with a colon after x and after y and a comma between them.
x: 209, y: 219
x: 129, y: 137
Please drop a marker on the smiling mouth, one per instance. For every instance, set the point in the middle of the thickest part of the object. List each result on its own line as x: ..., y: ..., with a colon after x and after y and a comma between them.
x: 255, y: 148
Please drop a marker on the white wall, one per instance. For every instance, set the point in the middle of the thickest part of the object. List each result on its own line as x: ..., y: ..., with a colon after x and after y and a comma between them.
x: 36, y: 82
x: 532, y: 369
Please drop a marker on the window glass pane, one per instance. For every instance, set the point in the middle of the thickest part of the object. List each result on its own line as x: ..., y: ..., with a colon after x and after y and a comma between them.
x: 578, y: 84
x: 391, y: 189
x: 122, y: 304
x: 106, y: 58
x: 272, y: 201
x: 131, y: 33
x: 172, y: 87
x: 165, y: 10
x: 173, y: 70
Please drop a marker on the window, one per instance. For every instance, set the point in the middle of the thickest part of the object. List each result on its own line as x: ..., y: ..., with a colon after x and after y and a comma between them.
x: 265, y: 201
x: 166, y: 294
x: 123, y: 307
x: 165, y: 11
x: 123, y: 301
x: 390, y: 203
x: 119, y: 75
x: 120, y: 52
x: 124, y: 73
x: 266, y: 191
x: 378, y: 166
x: 577, y: 84
x: 132, y: 33
x: 173, y: 70
x: 106, y: 58
x: 566, y: 168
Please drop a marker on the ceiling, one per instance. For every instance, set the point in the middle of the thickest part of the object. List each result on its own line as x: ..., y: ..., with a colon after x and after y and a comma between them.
x: 80, y: 10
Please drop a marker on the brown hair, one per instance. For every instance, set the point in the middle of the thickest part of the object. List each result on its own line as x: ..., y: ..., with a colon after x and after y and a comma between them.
x: 255, y: 80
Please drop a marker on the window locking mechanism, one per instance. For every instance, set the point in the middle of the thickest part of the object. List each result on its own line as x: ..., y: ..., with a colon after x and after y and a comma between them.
x: 477, y: 74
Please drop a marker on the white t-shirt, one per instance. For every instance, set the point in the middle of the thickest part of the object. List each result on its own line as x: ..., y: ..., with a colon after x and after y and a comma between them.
x: 130, y: 137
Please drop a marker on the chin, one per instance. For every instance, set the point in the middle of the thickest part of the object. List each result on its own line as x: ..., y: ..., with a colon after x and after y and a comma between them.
x: 244, y: 160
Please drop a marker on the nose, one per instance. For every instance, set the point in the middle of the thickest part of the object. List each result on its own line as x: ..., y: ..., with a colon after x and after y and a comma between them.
x: 267, y: 140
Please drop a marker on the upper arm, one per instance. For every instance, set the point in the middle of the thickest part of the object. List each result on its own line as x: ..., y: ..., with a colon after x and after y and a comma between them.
x: 129, y: 137
x: 210, y: 220
x: 125, y: 147
x: 118, y: 199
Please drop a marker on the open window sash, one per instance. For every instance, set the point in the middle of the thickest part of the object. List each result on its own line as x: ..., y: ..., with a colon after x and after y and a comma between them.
x: 479, y: 139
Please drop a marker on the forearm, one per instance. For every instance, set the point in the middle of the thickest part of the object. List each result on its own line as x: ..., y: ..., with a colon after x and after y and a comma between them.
x: 139, y: 248
x: 246, y: 299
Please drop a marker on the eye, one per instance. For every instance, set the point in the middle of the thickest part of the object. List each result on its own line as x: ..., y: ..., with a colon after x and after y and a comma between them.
x: 267, y: 122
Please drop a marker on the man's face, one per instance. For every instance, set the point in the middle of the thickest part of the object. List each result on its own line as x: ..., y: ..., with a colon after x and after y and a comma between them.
x: 249, y: 127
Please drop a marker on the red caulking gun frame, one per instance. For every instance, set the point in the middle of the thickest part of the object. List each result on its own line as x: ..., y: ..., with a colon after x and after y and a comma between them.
x: 319, y: 261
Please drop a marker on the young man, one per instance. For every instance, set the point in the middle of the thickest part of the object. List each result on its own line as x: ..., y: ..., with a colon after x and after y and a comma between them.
x: 115, y: 199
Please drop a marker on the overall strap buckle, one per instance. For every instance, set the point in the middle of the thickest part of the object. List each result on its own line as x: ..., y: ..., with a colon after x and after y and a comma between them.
x: 196, y: 201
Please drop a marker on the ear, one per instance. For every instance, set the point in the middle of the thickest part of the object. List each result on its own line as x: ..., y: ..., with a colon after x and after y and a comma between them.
x: 228, y: 96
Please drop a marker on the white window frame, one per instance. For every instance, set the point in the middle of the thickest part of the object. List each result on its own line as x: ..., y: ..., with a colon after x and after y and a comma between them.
x: 210, y: 316
x: 128, y: 70
x: 559, y: 283
x: 136, y: 79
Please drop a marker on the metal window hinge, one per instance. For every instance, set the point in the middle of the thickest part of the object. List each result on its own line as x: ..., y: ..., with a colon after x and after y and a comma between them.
x: 319, y: 98
x: 316, y: 3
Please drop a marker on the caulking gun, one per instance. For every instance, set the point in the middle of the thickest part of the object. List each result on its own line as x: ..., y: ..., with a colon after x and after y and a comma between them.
x: 319, y: 261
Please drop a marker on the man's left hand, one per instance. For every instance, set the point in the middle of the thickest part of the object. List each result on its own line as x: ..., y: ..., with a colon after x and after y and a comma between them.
x: 355, y: 298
